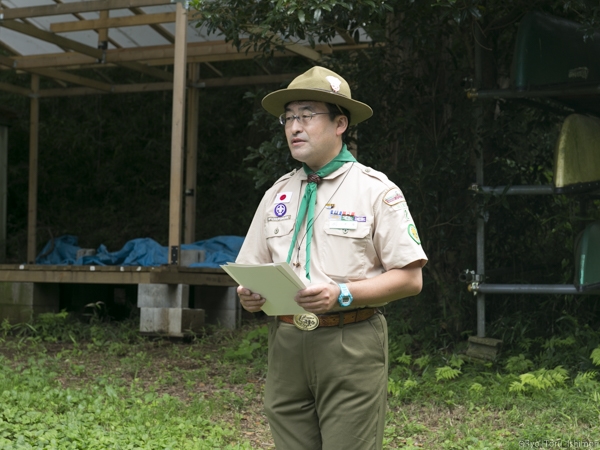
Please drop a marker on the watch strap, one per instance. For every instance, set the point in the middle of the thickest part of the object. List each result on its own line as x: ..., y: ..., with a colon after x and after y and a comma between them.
x: 345, y: 298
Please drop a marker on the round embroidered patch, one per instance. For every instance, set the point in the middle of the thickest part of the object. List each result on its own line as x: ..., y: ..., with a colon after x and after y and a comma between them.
x: 412, y: 232
x: 280, y: 209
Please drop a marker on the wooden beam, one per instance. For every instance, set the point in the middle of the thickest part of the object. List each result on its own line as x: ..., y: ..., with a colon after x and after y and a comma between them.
x: 152, y: 71
x: 33, y: 31
x: 75, y: 79
x: 345, y: 36
x: 117, y: 89
x: 77, y: 7
x: 102, y: 33
x: 6, y: 87
x: 34, y: 124
x: 27, y: 273
x: 166, y: 86
x: 8, y: 62
x: 248, y: 81
x: 78, y: 47
x: 112, y: 22
x: 178, y: 130
x: 191, y: 156
x: 158, y: 28
x: 157, y: 55
x: 299, y: 49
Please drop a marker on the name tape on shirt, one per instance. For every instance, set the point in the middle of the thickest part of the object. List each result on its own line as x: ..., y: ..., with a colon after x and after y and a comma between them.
x: 343, y: 225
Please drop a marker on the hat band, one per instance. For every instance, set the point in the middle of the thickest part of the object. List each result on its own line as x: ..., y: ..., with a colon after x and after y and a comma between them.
x: 322, y: 90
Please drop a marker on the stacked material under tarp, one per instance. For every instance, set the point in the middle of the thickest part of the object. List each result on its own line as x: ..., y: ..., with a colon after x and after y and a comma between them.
x: 554, y: 53
x: 139, y: 252
x: 577, y: 155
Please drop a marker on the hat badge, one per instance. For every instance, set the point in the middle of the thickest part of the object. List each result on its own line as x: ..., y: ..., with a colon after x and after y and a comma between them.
x: 334, y: 82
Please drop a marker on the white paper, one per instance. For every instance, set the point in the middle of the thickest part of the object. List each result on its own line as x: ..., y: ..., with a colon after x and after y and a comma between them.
x: 276, y: 282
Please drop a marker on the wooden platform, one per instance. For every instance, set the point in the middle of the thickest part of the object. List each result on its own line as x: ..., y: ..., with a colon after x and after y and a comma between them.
x: 34, y: 273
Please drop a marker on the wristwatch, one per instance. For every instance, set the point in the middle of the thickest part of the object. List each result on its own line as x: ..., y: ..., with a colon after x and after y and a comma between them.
x: 345, y: 297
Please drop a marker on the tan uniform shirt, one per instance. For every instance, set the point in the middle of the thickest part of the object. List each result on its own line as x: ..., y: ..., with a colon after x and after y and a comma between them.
x: 362, y: 227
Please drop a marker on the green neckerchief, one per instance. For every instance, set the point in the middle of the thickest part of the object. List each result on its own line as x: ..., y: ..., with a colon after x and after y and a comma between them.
x: 307, y: 207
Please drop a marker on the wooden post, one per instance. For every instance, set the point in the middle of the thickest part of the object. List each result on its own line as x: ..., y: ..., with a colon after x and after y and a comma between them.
x: 103, y: 32
x: 191, y: 163
x: 179, y: 82
x: 3, y: 188
x: 34, y: 125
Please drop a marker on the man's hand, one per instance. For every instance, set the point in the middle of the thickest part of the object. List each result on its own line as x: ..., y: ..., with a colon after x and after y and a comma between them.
x: 318, y: 298
x: 249, y: 300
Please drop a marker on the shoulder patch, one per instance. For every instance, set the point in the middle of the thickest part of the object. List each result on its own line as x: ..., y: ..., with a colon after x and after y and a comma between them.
x: 393, y: 197
x: 412, y: 232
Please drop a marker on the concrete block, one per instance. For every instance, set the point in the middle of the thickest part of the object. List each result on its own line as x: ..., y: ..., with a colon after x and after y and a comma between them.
x: 171, y: 321
x: 192, y: 320
x: 163, y: 296
x: 154, y: 320
x: 20, y: 302
x: 221, y: 305
x: 484, y: 348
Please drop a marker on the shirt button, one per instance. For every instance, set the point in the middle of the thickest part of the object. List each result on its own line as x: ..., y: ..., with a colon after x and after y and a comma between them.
x: 276, y: 230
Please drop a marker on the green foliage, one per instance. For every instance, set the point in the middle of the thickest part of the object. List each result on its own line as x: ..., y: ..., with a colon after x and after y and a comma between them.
x: 518, y: 364
x: 423, y: 135
x: 541, y: 379
x: 596, y: 356
x: 264, y: 24
x: 252, y: 346
x: 446, y: 373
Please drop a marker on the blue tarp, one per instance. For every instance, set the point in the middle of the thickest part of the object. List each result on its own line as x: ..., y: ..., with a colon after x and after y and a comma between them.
x: 138, y: 252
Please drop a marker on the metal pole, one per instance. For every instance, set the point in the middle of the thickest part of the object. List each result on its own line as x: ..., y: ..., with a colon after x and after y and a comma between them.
x: 34, y: 125
x: 516, y: 190
x: 3, y: 189
x: 511, y: 93
x: 479, y: 177
x: 560, y: 289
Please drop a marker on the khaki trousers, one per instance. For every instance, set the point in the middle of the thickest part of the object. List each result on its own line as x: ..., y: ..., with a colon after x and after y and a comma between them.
x: 326, y: 389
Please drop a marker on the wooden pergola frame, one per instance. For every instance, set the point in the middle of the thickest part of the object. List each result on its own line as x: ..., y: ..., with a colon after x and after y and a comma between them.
x: 184, y: 80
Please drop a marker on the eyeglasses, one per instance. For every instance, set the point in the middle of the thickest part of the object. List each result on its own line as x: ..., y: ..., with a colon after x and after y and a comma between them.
x: 287, y: 119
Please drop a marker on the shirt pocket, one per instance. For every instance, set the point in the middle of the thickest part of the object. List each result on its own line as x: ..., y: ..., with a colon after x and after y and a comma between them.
x: 343, y: 250
x: 279, y: 236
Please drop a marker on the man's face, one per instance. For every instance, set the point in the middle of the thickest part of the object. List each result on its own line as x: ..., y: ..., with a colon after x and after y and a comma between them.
x: 317, y: 140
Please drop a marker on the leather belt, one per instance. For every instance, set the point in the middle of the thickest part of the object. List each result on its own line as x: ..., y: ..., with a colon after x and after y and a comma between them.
x: 309, y: 321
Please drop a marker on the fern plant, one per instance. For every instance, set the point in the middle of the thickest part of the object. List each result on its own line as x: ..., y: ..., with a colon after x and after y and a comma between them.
x: 540, y: 380
x: 596, y: 356
x: 447, y: 373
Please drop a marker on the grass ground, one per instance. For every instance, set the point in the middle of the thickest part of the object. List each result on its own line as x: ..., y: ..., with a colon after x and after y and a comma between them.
x: 102, y: 386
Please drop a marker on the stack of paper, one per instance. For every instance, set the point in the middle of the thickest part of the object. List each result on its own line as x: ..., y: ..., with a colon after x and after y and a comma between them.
x: 276, y: 282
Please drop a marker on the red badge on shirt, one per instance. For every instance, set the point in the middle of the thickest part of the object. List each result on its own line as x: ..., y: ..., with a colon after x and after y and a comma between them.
x: 283, y: 197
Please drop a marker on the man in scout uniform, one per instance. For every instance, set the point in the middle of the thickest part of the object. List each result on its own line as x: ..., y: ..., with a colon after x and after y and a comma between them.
x: 347, y: 232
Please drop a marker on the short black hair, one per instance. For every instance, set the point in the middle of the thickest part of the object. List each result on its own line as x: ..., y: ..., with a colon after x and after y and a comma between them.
x: 337, y: 110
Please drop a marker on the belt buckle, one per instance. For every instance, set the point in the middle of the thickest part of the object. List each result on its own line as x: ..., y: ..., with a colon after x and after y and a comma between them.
x: 306, y: 321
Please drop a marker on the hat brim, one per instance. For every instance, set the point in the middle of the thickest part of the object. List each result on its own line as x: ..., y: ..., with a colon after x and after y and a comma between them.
x: 274, y: 103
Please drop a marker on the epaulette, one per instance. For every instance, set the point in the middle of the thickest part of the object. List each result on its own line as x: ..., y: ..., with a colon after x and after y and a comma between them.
x: 286, y: 176
x: 378, y: 175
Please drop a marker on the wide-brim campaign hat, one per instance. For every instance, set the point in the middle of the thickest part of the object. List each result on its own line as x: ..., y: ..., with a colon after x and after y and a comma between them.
x: 320, y: 85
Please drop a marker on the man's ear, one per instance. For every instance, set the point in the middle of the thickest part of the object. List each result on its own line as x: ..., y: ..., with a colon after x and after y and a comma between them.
x: 342, y: 124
